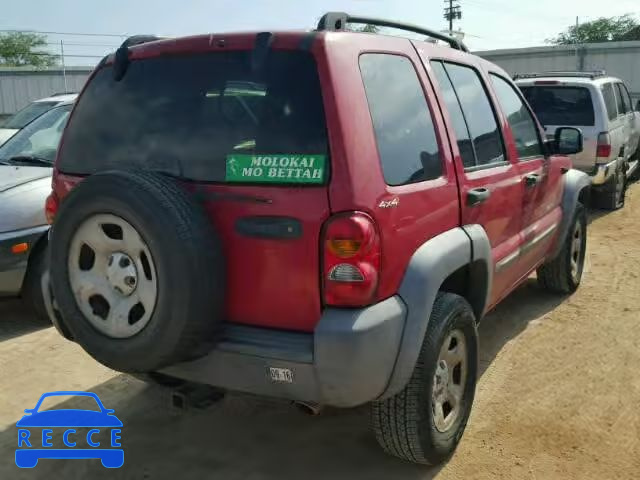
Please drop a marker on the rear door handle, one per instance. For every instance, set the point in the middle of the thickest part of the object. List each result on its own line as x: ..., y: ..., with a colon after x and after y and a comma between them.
x: 477, y: 196
x: 532, y: 179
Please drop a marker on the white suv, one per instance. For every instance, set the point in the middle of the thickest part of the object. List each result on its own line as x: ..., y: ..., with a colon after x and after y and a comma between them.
x: 602, y: 108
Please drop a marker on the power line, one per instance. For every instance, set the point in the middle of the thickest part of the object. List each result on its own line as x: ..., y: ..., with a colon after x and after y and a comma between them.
x: 514, y: 12
x: 111, y: 45
x: 66, y: 55
x: 43, y: 32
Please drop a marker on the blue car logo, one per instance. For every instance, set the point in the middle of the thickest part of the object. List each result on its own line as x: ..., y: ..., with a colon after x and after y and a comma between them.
x: 34, y: 445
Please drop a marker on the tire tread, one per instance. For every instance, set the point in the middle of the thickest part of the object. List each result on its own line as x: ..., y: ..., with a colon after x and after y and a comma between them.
x: 396, y: 420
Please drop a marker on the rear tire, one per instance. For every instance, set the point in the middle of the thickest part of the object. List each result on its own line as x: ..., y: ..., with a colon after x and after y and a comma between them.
x: 564, y: 273
x: 407, y: 425
x: 612, y: 196
x: 636, y: 174
x: 32, y: 295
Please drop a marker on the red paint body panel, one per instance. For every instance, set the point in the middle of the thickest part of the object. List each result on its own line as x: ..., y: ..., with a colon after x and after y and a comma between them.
x: 270, y: 283
x: 424, y: 209
x: 277, y: 283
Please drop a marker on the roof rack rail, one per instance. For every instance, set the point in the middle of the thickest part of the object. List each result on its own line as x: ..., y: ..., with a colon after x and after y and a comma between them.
x: 336, y: 21
x: 60, y: 94
x: 139, y: 40
x: 592, y: 75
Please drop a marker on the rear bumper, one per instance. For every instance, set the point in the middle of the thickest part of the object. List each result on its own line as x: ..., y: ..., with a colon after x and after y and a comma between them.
x: 13, y: 266
x: 347, y: 361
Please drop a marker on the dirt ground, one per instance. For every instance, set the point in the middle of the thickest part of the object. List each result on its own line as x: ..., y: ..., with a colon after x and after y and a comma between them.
x: 559, y: 396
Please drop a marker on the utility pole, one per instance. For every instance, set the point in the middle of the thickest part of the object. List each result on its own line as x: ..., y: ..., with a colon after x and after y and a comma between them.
x: 577, y: 45
x: 64, y: 68
x: 452, y: 11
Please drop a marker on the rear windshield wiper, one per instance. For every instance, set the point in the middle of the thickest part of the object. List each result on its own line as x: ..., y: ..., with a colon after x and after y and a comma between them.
x: 28, y: 160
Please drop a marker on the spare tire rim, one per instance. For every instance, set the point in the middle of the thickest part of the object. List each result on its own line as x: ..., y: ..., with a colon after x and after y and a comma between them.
x: 449, y: 381
x: 112, y: 275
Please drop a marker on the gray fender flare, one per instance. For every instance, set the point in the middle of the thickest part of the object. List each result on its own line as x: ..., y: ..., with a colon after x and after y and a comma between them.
x: 575, y: 182
x: 428, y: 268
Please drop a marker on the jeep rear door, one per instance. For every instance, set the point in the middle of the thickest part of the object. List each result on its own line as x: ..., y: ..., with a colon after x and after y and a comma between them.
x: 246, y: 133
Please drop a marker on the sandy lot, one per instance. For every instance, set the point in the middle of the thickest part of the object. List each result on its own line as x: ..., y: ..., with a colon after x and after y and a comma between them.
x: 559, y: 396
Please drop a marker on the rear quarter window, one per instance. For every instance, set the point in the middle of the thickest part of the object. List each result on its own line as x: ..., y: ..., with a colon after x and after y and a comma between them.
x: 196, y: 116
x: 557, y: 105
x: 402, y: 121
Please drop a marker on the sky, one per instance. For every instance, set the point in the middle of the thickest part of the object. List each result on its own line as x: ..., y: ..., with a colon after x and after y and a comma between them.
x: 488, y: 24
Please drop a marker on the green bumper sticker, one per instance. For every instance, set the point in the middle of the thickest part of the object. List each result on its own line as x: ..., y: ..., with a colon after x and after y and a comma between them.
x: 281, y: 168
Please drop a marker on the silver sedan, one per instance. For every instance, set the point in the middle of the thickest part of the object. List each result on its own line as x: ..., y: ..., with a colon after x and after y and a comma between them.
x: 26, y: 166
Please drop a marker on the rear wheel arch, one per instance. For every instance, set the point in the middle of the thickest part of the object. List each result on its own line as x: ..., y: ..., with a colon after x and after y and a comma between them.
x: 470, y: 282
x: 577, y: 190
x: 451, y: 262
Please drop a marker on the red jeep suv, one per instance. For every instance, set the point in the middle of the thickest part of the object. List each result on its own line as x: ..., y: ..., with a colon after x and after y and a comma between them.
x: 320, y: 216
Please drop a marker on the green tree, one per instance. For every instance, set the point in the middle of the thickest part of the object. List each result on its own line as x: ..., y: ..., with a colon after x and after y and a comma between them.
x: 19, y: 49
x: 613, y: 29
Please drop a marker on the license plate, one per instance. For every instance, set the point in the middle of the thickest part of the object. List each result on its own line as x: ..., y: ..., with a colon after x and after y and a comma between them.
x: 281, y: 375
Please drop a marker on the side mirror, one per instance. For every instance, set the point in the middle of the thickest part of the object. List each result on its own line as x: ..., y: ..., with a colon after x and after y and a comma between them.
x: 29, y: 410
x: 568, y: 141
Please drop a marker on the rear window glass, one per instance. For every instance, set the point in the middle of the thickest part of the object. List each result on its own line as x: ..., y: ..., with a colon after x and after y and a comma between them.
x: 570, y: 106
x: 28, y: 114
x: 207, y: 117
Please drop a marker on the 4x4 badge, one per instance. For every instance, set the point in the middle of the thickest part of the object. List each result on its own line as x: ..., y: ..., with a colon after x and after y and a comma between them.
x: 389, y: 203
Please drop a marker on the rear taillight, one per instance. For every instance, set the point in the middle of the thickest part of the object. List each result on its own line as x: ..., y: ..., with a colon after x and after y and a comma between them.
x: 604, y: 146
x: 51, y: 207
x: 351, y: 260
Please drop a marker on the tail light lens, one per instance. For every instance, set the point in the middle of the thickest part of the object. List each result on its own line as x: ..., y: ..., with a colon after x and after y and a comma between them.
x: 51, y: 208
x: 351, y: 260
x: 604, y: 146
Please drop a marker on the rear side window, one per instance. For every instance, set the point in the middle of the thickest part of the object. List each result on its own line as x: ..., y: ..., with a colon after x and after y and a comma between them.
x: 610, y: 101
x: 403, y: 125
x: 627, y: 96
x: 561, y: 106
x: 623, y: 99
x: 523, y: 126
x: 478, y: 113
x: 207, y: 117
x: 463, y: 137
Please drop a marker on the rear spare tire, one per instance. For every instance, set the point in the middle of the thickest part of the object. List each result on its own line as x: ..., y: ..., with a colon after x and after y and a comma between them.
x: 137, y: 271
